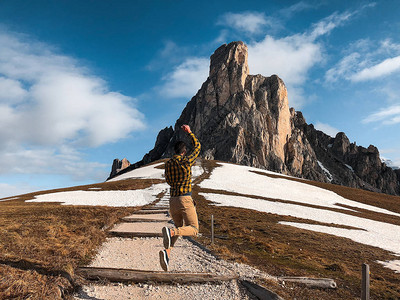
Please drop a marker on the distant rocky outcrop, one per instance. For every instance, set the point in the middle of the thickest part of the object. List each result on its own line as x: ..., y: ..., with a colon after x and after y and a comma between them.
x: 163, y: 138
x: 118, y: 166
x: 349, y: 164
x: 246, y: 119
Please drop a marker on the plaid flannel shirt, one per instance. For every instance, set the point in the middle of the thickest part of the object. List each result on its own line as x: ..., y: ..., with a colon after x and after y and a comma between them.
x: 178, y: 170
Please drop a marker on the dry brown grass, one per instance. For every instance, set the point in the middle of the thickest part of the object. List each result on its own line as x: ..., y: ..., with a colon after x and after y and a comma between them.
x: 258, y: 239
x: 42, y: 243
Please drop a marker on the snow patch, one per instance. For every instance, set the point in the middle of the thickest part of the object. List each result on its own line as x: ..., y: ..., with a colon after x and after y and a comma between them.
x: 374, y: 233
x: 393, y: 265
x: 370, y: 232
x: 146, y: 172
x: 326, y: 171
x: 7, y: 199
x: 105, y: 198
x: 197, y: 171
x: 390, y: 163
x: 241, y: 180
x: 349, y: 167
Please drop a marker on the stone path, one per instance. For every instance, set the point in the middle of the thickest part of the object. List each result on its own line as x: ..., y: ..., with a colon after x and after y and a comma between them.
x: 141, y: 253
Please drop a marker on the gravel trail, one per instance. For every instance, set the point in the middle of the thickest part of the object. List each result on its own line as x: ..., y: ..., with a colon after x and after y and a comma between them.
x: 142, y: 254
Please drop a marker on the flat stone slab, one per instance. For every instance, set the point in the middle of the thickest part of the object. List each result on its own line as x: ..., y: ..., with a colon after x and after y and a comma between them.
x: 147, y: 218
x: 151, y: 211
x: 130, y: 275
x: 147, y: 227
x: 155, y: 207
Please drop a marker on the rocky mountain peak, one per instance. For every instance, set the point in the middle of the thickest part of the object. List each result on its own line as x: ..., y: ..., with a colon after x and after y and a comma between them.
x: 341, y: 143
x: 229, y: 62
x: 118, y: 166
x: 245, y: 119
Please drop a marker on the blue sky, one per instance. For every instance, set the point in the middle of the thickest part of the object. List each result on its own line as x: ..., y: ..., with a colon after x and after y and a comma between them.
x: 84, y: 82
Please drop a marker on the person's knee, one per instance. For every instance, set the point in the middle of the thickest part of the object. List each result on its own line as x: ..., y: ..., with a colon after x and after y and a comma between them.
x: 195, y: 230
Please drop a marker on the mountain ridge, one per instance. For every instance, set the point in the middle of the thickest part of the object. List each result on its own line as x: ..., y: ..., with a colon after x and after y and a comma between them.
x: 246, y: 119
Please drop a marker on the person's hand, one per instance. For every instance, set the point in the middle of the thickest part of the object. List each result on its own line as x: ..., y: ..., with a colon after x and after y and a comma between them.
x: 186, y: 128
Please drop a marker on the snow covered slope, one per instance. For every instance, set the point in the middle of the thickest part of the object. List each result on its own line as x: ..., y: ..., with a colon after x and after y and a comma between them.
x: 256, y: 189
x: 259, y: 192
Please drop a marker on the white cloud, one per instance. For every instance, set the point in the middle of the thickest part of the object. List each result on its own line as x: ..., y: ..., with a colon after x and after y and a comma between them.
x: 63, y: 160
x: 366, y: 60
x: 7, y: 190
x: 326, y: 128
x: 297, y: 7
x: 11, y: 91
x: 169, y: 54
x: 384, y: 68
x: 342, y: 69
x: 329, y: 23
x: 387, y: 116
x: 186, y: 79
x: 51, y: 108
x: 293, y: 56
x: 59, y: 101
x: 290, y: 57
x: 390, y: 157
x: 248, y: 22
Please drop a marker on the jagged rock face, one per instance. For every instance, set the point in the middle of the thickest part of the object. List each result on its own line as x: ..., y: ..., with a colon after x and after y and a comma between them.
x: 351, y: 165
x: 239, y: 117
x: 246, y: 119
x: 163, y: 138
x: 301, y: 159
x: 118, y: 166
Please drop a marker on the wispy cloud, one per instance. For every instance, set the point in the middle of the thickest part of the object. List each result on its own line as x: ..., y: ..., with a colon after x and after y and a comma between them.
x: 58, y: 100
x: 326, y: 128
x: 343, y: 68
x: 326, y: 25
x: 367, y: 60
x: 386, y: 116
x: 394, y: 162
x: 248, y: 22
x: 293, y: 56
x: 170, y: 54
x: 7, y: 190
x: 186, y: 79
x: 289, y: 57
x: 50, y: 103
x: 384, y: 68
x: 288, y: 12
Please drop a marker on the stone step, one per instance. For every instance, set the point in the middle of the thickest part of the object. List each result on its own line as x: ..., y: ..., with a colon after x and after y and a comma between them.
x: 151, y: 211
x: 130, y: 275
x: 138, y: 229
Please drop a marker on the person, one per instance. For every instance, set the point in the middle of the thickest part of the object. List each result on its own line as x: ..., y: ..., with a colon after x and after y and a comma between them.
x: 178, y: 174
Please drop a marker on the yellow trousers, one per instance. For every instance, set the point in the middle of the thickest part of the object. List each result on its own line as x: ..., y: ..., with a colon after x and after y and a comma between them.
x: 184, y: 215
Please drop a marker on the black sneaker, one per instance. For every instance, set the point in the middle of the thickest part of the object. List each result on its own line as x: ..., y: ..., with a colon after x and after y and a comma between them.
x: 164, y: 260
x: 166, y: 237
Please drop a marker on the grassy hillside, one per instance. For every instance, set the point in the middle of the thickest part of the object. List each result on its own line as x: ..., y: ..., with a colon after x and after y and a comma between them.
x: 258, y: 239
x: 42, y: 243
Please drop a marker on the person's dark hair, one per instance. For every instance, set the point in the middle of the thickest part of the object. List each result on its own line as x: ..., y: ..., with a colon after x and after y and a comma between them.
x: 179, y: 147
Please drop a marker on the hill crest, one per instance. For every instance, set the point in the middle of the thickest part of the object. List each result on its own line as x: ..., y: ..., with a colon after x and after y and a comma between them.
x: 246, y: 119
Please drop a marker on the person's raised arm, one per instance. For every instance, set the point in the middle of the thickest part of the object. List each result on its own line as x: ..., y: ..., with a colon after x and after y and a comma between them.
x: 196, y: 144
